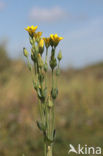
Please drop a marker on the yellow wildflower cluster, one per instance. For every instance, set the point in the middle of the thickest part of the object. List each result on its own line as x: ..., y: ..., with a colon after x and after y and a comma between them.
x: 53, y: 40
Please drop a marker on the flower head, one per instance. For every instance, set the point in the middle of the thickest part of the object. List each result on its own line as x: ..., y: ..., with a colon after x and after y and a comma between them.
x: 37, y: 35
x: 47, y: 41
x: 41, y: 43
x: 55, y: 39
x: 31, y: 29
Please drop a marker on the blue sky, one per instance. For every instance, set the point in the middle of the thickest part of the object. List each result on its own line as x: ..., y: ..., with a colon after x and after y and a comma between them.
x: 80, y: 22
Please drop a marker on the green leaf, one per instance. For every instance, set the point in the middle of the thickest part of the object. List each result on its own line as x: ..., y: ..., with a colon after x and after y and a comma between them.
x: 39, y: 92
x: 54, y: 133
x: 41, y: 126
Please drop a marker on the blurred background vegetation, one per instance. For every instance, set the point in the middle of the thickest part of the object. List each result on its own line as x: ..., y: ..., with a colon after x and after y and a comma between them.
x: 79, y: 109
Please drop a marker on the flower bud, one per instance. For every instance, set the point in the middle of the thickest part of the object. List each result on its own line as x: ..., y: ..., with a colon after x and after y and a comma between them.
x: 54, y: 93
x: 45, y: 67
x: 53, y: 63
x: 41, y: 46
x: 31, y: 40
x: 34, y: 53
x: 50, y: 103
x: 40, y: 61
x: 25, y: 52
x: 59, y: 55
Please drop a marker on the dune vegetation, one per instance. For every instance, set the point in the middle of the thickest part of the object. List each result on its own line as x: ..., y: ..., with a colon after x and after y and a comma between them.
x: 79, y: 109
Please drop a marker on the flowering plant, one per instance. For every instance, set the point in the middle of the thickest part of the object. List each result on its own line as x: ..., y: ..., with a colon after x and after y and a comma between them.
x: 46, y: 96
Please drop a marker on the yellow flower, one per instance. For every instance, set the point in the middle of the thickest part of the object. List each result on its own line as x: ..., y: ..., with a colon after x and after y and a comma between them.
x: 38, y: 34
x: 41, y: 46
x: 55, y: 39
x: 31, y: 29
x: 47, y: 41
x: 41, y: 43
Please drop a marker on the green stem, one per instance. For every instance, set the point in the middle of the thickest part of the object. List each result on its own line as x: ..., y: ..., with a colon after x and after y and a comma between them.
x: 45, y: 150
x: 53, y: 120
x: 47, y: 120
x: 35, y: 68
x: 53, y: 105
x: 49, y: 150
x: 58, y: 68
x: 49, y: 124
x: 46, y: 63
x: 52, y: 78
x: 46, y: 52
x: 40, y: 109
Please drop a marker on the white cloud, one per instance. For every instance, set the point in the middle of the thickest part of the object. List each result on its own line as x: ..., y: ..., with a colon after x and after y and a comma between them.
x: 47, y: 14
x: 2, y: 5
x: 54, y: 14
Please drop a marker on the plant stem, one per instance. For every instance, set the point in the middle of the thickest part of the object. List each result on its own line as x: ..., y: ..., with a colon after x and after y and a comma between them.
x: 49, y: 150
x: 45, y: 151
x: 46, y: 63
x: 53, y: 105
x: 52, y: 78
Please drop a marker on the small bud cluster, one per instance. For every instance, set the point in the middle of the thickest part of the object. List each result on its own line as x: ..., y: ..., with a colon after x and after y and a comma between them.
x: 46, y: 96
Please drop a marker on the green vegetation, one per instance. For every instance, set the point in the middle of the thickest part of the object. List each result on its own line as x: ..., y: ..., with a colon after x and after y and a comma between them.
x: 79, y: 109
